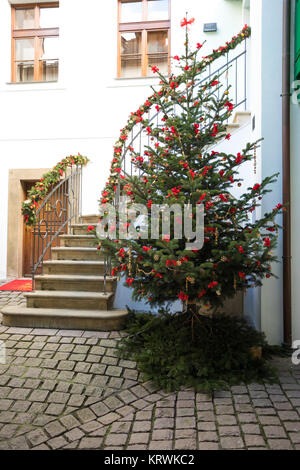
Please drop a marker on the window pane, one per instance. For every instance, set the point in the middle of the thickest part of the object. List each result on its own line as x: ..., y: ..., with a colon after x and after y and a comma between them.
x: 131, y: 11
x: 24, y: 49
x: 131, y: 66
x: 131, y: 43
x: 24, y: 18
x: 49, y: 48
x: 158, y: 50
x: 24, y: 71
x: 131, y: 58
x: 158, y: 10
x: 49, y: 70
x: 49, y: 17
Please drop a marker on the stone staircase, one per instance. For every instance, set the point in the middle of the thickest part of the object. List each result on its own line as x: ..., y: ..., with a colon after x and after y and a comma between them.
x: 70, y: 292
x: 240, y: 119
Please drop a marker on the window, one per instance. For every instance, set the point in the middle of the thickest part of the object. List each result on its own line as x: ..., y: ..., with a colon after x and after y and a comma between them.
x: 35, y: 32
x: 144, y: 37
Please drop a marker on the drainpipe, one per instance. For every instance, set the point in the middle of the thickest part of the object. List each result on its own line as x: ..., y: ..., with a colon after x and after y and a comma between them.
x: 286, y: 175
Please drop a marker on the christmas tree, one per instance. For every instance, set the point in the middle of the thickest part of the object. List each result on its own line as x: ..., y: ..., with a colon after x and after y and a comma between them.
x: 180, y: 166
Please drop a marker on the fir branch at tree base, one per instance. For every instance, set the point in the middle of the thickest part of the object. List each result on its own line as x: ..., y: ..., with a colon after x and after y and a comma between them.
x: 207, y: 353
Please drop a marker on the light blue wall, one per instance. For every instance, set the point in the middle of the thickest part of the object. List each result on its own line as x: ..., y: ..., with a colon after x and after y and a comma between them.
x: 271, y: 129
x: 295, y: 202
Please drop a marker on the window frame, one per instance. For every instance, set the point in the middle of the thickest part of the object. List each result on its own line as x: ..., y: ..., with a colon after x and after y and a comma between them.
x: 144, y: 27
x: 31, y: 33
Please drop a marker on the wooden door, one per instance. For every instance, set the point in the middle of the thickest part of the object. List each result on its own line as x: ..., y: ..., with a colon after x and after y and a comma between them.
x: 47, y: 229
x: 27, y: 236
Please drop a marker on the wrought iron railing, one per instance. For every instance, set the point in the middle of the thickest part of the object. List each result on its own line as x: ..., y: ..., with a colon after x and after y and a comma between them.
x: 60, y: 208
x: 231, y: 74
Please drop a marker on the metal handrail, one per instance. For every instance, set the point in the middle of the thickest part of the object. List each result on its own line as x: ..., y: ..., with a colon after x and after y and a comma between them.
x: 61, y: 206
x: 216, y: 73
x: 137, y: 137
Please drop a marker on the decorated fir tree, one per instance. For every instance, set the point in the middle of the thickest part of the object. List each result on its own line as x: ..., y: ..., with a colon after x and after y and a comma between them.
x: 181, y: 166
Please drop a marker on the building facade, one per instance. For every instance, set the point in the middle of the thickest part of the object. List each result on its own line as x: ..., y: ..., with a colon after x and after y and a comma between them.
x: 71, y: 73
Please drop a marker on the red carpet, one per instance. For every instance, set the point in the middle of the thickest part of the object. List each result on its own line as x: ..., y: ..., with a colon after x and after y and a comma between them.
x: 22, y: 285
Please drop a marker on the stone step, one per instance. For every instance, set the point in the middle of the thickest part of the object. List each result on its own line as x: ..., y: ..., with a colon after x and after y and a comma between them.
x: 242, y: 117
x: 232, y: 127
x: 89, y: 219
x: 96, y: 320
x: 69, y: 300
x: 87, y: 241
x: 74, y: 283
x: 73, y: 267
x: 80, y: 229
x: 76, y: 253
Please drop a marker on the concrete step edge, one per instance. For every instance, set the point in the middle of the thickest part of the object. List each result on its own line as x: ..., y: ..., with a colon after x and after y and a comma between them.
x: 66, y: 313
x: 86, y: 295
x: 72, y: 277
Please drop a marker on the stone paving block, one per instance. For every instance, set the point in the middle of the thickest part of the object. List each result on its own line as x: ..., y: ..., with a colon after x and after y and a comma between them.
x: 210, y: 436
x: 274, y: 431
x: 55, y: 409
x: 161, y: 445
x: 141, y: 426
x: 295, y: 437
x: 181, y: 412
x: 209, y: 426
x: 8, y: 430
x: 114, y: 439
x: 58, y: 397
x: 147, y: 415
x: 38, y: 395
x: 164, y: 413
x: 20, y: 406
x: 74, y: 435
x: 280, y: 444
x: 206, y: 416
x: 85, y: 415
x: 185, y: 422
x: 69, y: 422
x: 253, y: 440
x: 247, y: 418
x: 36, y: 437
x: 229, y: 430
x: 108, y: 418
x: 55, y: 428
x: 5, y: 404
x: 162, y: 435
x: 90, y: 443
x: 164, y: 423
x: 226, y: 420
x: 293, y: 426
x: 57, y: 442
x: 185, y: 444
x: 232, y: 443
x: 139, y: 438
x: 99, y: 409
x: 18, y: 443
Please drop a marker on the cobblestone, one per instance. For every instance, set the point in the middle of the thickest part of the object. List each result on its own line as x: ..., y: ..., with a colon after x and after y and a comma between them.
x: 69, y: 390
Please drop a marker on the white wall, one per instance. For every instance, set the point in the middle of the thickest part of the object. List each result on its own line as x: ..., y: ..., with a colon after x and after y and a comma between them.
x: 84, y: 111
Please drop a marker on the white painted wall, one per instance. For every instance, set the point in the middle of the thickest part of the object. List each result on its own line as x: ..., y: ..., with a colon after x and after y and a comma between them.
x: 84, y: 111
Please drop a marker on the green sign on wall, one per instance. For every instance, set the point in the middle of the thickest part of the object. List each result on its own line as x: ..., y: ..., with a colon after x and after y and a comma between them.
x: 297, y: 41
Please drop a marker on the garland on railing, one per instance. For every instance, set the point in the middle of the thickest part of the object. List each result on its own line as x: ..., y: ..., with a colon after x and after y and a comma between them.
x: 168, y: 86
x: 41, y: 188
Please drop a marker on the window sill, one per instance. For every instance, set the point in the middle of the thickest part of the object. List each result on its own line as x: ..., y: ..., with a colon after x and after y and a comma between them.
x: 30, y: 83
x: 33, y: 86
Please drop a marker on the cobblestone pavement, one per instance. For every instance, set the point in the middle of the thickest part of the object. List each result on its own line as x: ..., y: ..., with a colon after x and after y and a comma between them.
x: 62, y: 389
